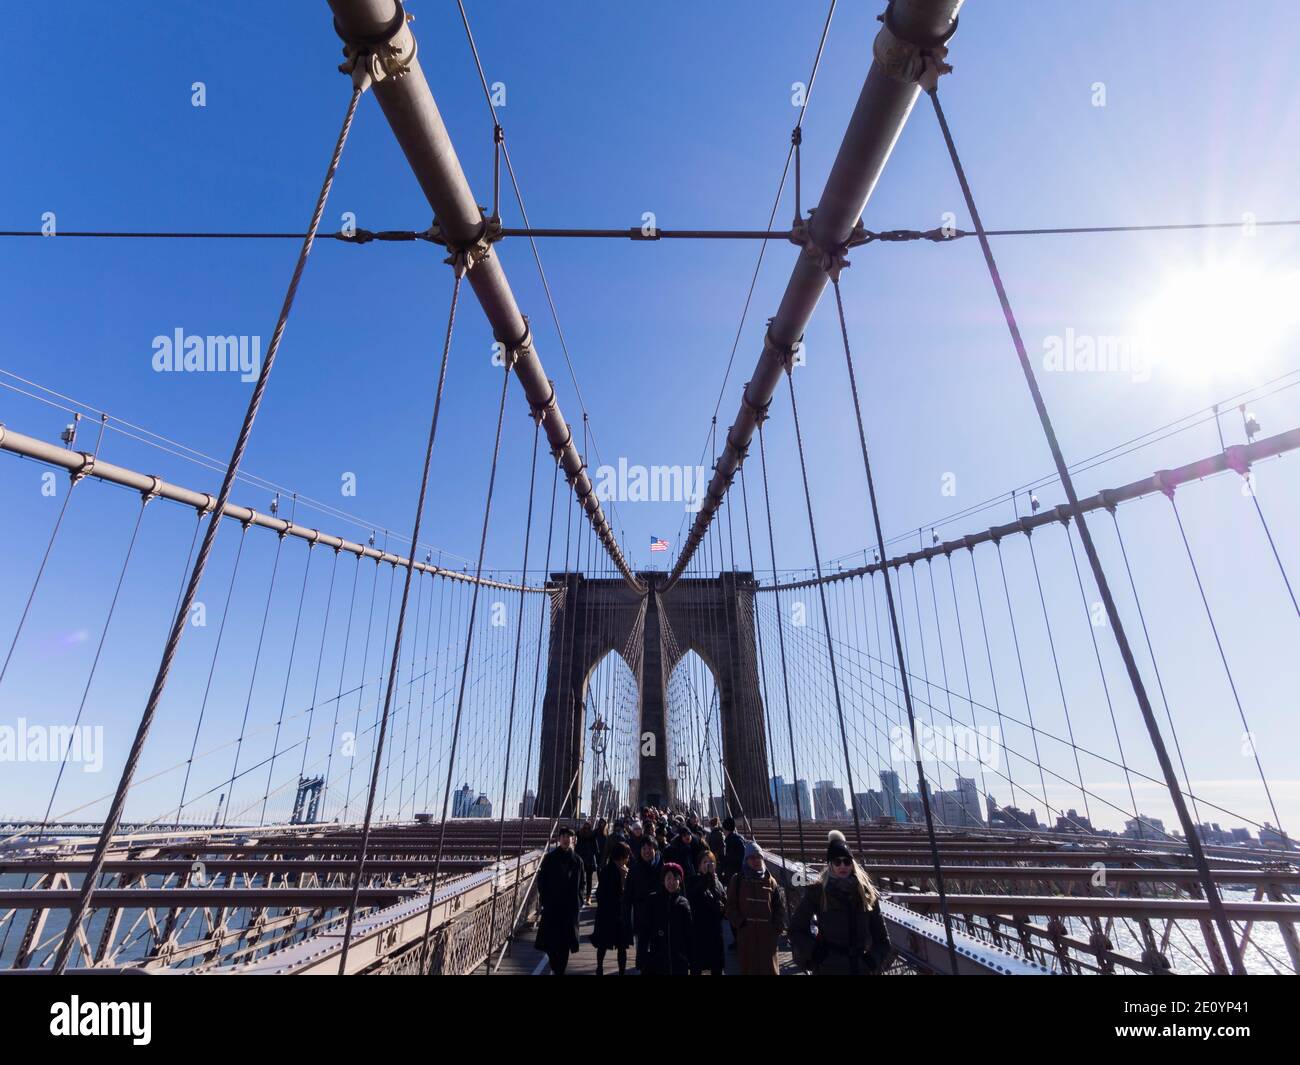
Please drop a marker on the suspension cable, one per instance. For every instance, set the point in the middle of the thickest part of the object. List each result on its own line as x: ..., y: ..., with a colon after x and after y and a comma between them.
x: 469, y: 641
x: 178, y: 624
x: 459, y: 273
x: 922, y: 786
x: 1099, y: 576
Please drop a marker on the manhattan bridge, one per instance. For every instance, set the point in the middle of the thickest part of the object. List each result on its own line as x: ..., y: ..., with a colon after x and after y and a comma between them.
x: 374, y: 794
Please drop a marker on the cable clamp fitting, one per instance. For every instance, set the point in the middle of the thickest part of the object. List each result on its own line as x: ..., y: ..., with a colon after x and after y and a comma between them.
x: 85, y: 469
x: 787, y: 355
x: 902, y: 58
x: 831, y: 260
x: 386, y: 54
x: 759, y: 410
x: 1235, y: 456
x: 512, y: 352
x: 540, y: 410
x: 465, y: 256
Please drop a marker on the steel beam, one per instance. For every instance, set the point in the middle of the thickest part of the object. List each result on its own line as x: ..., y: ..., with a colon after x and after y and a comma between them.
x: 883, y: 105
x: 376, y: 32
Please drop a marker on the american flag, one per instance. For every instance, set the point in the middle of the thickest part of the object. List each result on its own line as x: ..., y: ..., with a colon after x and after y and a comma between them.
x: 656, y: 544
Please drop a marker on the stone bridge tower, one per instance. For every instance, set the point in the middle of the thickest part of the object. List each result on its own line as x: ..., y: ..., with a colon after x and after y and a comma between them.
x: 712, y: 616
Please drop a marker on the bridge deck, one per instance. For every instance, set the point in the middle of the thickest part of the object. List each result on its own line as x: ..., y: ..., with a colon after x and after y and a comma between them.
x: 524, y: 959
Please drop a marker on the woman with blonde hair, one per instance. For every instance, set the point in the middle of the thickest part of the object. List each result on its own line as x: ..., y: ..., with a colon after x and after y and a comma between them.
x: 837, y: 929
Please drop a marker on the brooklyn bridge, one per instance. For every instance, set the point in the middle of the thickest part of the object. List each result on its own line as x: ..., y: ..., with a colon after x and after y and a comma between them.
x: 246, y: 731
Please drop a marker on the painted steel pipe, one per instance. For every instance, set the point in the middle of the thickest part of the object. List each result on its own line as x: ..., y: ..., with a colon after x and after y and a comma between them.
x: 84, y: 464
x: 1237, y: 457
x: 376, y: 33
x: 887, y: 97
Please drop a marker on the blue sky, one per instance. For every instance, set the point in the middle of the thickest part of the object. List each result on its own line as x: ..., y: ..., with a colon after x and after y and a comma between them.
x: 685, y: 112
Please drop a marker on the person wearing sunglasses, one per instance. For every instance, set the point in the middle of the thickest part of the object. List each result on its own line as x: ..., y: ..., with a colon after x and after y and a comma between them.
x: 837, y: 929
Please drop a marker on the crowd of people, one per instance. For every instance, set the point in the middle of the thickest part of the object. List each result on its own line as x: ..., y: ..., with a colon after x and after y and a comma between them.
x: 669, y: 888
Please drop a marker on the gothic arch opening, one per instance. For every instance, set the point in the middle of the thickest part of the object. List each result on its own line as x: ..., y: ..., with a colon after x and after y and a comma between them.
x: 694, y: 735
x: 610, y: 746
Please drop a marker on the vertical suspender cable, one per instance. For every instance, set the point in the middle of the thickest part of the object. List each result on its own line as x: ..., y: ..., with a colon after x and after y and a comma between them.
x: 826, y: 616
x: 922, y: 786
x: 464, y: 673
x: 514, y: 683
x: 780, y: 632
x: 401, y: 618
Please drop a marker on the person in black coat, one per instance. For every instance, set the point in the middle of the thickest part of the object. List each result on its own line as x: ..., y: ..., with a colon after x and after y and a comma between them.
x: 666, y: 927
x: 708, y: 899
x: 686, y: 851
x: 715, y: 839
x: 559, y: 894
x: 612, y: 930
x: 643, y: 881
x: 588, y: 850
x: 733, y: 851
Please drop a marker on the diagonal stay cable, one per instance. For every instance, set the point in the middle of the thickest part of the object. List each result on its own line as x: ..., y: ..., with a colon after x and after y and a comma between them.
x: 87, y: 890
x: 1212, y: 896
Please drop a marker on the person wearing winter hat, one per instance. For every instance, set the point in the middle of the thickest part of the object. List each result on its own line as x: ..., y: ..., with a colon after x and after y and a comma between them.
x: 643, y: 880
x: 850, y: 938
x: 685, y: 850
x: 708, y: 899
x: 559, y: 895
x: 666, y: 927
x: 757, y: 912
x: 733, y: 851
x: 613, y: 930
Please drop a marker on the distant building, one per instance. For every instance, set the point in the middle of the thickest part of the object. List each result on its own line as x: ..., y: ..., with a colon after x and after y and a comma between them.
x: 462, y: 800
x: 528, y: 804
x: 892, y: 796
x: 829, y: 801
x: 955, y: 809
x: 1074, y: 822
x: 480, y: 807
x: 1144, y: 826
x: 1011, y: 816
x: 1273, y: 837
x: 785, y: 796
x: 870, y: 804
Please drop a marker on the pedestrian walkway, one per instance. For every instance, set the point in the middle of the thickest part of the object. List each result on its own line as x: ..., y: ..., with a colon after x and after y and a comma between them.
x: 524, y: 959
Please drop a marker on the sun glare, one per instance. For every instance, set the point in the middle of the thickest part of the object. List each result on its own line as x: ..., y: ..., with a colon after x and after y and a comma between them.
x: 1220, y: 322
